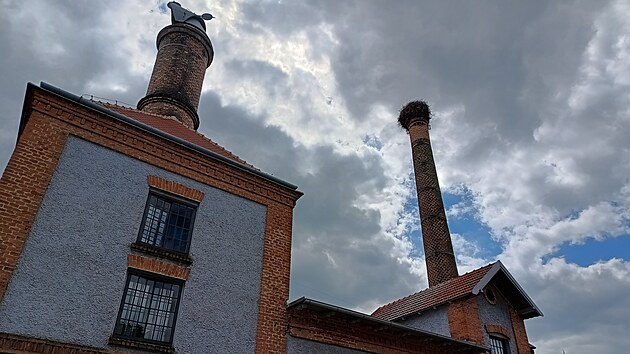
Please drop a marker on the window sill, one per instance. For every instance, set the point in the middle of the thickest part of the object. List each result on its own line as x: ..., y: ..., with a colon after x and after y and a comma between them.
x: 182, y: 259
x: 136, y: 344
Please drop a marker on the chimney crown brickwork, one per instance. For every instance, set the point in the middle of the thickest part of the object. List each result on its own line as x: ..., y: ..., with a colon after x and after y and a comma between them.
x: 438, y: 247
x: 184, y: 54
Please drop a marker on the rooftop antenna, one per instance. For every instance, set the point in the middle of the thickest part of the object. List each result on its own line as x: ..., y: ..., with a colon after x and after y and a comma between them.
x: 182, y: 15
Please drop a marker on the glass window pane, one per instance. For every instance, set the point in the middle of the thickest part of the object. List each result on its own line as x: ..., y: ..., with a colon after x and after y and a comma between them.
x: 148, y: 312
x: 165, y: 222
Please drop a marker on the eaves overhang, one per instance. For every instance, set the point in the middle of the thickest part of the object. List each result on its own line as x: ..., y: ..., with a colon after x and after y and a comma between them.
x: 506, y: 283
x: 327, y: 310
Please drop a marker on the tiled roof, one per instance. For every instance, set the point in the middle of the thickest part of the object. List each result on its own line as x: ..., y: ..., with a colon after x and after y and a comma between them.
x: 173, y: 127
x: 433, y: 296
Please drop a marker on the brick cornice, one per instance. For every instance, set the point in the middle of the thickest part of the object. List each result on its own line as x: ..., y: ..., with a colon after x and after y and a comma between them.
x: 94, y: 126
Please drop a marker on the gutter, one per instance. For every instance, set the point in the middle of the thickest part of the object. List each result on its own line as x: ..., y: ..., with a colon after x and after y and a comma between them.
x: 147, y: 128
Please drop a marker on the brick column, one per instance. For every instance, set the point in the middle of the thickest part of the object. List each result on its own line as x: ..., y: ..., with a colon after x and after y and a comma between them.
x: 464, y: 320
x: 438, y: 248
x: 184, y: 54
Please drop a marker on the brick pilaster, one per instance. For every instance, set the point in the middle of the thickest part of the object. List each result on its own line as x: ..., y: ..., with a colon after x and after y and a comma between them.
x: 464, y: 320
x: 520, y: 333
x: 23, y: 185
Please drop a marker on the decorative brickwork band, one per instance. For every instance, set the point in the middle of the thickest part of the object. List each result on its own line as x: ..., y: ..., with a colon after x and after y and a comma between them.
x: 158, y: 266
x: 438, y: 247
x: 175, y: 188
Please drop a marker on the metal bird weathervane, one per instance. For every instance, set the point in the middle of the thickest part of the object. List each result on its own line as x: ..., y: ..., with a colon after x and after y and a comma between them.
x: 182, y: 15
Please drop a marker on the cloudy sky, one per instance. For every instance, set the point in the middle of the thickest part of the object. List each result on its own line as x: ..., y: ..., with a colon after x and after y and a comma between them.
x: 531, y: 102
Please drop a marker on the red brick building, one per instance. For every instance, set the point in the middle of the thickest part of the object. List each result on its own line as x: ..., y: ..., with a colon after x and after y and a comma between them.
x: 124, y: 230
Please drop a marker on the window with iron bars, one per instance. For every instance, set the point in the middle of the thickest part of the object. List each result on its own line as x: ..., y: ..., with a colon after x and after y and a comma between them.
x: 499, y: 345
x: 149, y: 308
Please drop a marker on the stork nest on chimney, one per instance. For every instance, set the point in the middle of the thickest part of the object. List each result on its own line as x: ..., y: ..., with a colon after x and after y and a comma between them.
x: 414, y: 110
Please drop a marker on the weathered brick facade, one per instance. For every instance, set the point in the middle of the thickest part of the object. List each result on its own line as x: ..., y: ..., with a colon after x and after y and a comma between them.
x: 438, y: 247
x: 373, y: 337
x: 51, y: 119
x: 184, y: 53
x: 464, y: 321
x: 518, y: 325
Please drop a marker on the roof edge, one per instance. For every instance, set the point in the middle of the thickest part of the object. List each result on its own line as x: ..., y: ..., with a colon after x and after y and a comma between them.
x: 306, y: 302
x: 498, y: 266
x: 93, y: 106
x: 486, y: 278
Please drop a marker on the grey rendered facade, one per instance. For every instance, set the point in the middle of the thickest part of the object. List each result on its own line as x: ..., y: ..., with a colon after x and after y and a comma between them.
x: 70, y: 278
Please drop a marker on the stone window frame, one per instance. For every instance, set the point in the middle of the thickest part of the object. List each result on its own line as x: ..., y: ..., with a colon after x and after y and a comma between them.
x: 138, y: 342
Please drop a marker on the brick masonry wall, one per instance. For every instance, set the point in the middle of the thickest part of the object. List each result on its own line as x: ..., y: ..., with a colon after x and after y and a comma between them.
x: 464, y: 321
x: 19, y: 344
x: 155, y: 265
x: 29, y: 171
x: 436, y: 238
x: 184, y: 53
x: 518, y: 325
x: 23, y: 185
x: 352, y: 333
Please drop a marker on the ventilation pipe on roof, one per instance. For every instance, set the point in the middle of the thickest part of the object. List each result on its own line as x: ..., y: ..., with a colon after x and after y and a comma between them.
x: 184, y: 54
x: 438, y: 247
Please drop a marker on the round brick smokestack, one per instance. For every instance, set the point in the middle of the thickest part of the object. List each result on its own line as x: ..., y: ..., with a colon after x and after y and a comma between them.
x: 438, y: 247
x: 184, y: 54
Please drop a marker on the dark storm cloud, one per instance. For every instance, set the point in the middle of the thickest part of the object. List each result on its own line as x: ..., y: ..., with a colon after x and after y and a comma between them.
x: 526, y: 96
x: 66, y: 45
x: 331, y: 234
x: 272, y: 77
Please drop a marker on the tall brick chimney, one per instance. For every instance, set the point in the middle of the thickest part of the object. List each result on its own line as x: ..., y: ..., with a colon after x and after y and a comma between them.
x: 438, y: 248
x: 184, y: 54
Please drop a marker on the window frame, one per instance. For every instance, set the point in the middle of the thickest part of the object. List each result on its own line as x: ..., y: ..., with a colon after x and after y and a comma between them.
x: 505, y: 344
x: 154, y: 277
x: 172, y: 198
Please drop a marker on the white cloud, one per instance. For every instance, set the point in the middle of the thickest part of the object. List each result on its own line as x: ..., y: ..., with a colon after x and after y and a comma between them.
x: 531, y: 124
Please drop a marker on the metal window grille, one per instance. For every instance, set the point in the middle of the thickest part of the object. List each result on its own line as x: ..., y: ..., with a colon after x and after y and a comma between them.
x: 167, y: 223
x: 149, y: 309
x: 498, y: 345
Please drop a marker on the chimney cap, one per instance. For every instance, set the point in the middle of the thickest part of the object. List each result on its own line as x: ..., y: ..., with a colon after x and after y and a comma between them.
x: 182, y: 15
x: 413, y: 111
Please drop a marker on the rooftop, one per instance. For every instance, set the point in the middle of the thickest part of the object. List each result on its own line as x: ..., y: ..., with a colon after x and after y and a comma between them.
x: 173, y: 127
x: 465, y: 285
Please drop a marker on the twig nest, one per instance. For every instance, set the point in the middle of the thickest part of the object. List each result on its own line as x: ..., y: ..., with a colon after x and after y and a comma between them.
x: 412, y: 111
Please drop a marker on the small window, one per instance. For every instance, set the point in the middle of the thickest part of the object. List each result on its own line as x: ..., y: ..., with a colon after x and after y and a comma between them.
x: 149, y: 308
x: 490, y: 296
x: 167, y: 222
x: 499, y: 345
